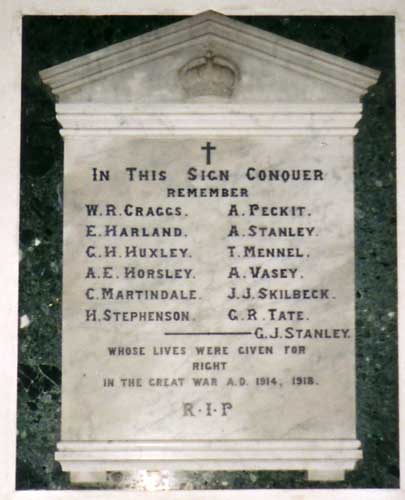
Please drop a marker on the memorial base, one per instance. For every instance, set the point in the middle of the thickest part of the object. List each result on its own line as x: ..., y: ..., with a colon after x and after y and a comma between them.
x: 323, y: 460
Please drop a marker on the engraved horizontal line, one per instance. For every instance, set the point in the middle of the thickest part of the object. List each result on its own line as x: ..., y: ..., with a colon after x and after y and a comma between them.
x: 207, y: 333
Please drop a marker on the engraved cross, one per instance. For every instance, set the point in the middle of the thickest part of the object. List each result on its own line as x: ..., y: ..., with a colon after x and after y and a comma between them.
x: 208, y: 148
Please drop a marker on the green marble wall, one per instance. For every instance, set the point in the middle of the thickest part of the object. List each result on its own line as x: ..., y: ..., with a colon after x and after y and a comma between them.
x: 50, y: 40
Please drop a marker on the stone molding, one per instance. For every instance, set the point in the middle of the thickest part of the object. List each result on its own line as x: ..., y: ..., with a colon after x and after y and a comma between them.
x: 225, y: 119
x: 326, y: 458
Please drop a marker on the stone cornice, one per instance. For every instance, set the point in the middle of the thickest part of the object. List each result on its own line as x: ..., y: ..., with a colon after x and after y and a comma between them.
x: 191, y: 119
x: 202, y: 29
x: 80, y: 457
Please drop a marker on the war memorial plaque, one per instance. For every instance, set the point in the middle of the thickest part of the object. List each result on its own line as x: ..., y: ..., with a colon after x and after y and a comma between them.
x: 208, y: 296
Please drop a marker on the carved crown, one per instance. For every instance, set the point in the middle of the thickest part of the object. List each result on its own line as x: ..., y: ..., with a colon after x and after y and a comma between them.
x: 209, y: 75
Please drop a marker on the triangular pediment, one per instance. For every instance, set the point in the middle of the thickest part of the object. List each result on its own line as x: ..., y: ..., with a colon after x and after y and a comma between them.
x: 247, y: 65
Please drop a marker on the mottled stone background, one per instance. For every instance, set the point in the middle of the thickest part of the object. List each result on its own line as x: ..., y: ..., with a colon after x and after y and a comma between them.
x: 51, y: 40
